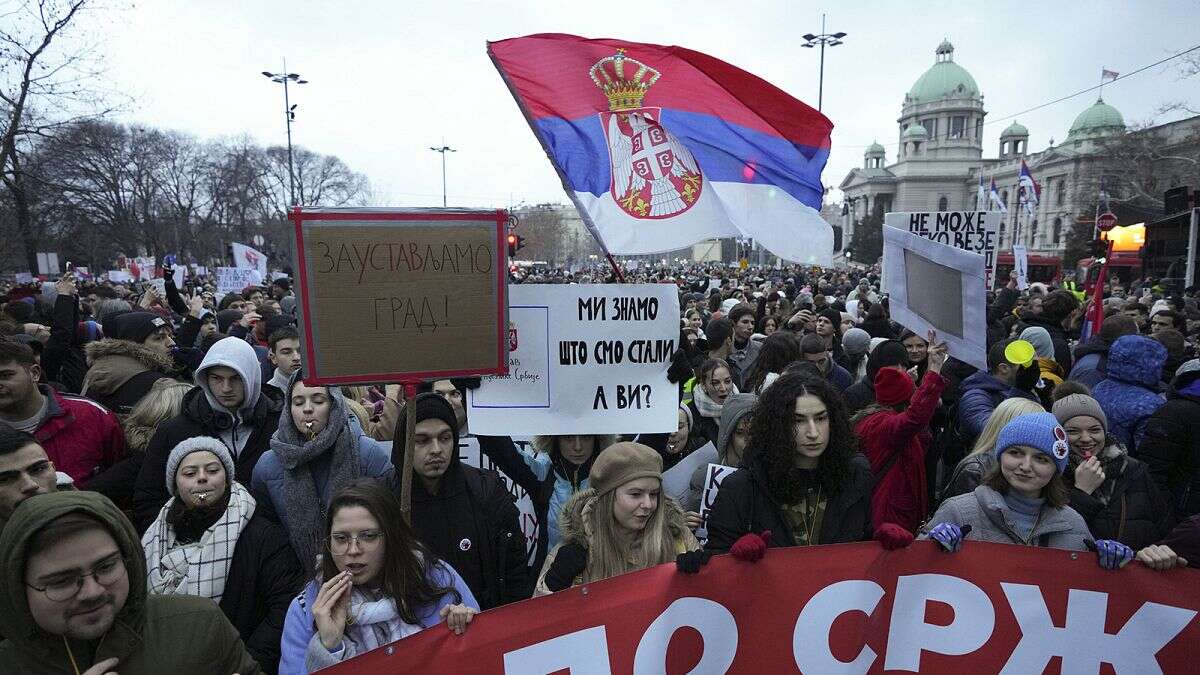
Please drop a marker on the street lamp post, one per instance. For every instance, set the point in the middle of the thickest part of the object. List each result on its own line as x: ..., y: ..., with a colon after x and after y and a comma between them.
x: 289, y: 113
x: 831, y: 39
x: 444, y: 149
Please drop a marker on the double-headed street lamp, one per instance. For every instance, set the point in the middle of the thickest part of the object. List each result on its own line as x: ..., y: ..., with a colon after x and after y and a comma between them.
x: 289, y: 113
x: 831, y: 39
x: 444, y: 149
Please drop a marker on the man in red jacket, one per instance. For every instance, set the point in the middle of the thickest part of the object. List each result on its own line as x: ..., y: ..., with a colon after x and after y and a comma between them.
x: 894, y: 435
x: 81, y: 437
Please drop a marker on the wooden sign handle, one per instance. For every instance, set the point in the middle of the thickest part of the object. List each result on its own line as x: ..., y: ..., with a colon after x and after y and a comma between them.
x: 410, y: 412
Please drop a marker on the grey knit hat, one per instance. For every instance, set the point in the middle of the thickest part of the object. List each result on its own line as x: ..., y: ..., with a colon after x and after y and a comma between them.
x: 198, y: 444
x: 856, y: 341
x: 1075, y: 405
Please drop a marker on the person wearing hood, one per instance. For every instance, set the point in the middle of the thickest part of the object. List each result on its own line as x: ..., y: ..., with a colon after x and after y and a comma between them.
x: 465, y: 515
x: 732, y: 438
x: 802, y: 481
x: 886, y: 354
x: 229, y: 404
x: 856, y: 342
x: 1111, y: 490
x: 1171, y: 444
x: 1050, y: 371
x: 135, y: 354
x: 74, y: 599
x: 1005, y: 378
x: 894, y: 435
x: 1129, y: 395
x: 621, y: 524
x: 210, y: 541
x: 317, y: 448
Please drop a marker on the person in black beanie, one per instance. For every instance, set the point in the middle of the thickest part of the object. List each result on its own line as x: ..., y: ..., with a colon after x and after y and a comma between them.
x: 135, y: 353
x: 887, y: 354
x: 465, y: 515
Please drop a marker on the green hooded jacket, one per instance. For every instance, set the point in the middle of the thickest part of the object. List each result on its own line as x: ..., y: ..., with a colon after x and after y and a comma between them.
x: 152, y: 634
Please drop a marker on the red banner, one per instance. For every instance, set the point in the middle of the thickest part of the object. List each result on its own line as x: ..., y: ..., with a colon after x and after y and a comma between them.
x: 851, y: 608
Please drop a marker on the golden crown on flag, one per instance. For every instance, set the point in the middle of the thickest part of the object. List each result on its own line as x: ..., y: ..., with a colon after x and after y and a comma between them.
x: 624, y: 93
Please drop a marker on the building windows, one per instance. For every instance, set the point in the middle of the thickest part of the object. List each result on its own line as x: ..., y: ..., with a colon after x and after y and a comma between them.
x: 1057, y: 226
x: 1060, y: 195
x: 1033, y: 233
x: 958, y: 125
x: 943, y: 204
x: 930, y: 127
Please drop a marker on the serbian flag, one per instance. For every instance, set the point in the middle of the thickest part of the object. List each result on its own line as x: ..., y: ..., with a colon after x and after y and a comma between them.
x: 1031, y: 190
x: 661, y: 147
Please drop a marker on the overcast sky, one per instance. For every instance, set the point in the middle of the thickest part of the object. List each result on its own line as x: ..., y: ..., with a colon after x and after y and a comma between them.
x: 389, y: 79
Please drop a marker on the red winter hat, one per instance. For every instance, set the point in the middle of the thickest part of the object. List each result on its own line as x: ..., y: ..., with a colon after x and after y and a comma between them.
x: 892, y: 386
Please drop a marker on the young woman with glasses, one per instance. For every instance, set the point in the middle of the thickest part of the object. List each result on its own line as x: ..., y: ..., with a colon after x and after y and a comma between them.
x: 377, y: 584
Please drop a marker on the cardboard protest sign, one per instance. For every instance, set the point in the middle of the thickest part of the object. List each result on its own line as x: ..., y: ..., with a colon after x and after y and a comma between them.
x: 974, y: 231
x: 677, y: 481
x: 934, y: 286
x: 119, y: 276
x: 585, y: 359
x: 233, y: 279
x: 394, y: 295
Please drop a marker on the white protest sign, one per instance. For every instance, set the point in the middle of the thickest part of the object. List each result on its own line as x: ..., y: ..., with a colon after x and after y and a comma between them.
x: 974, y: 231
x: 119, y: 276
x: 677, y: 481
x: 178, y: 273
x: 713, y: 478
x: 145, y: 267
x: 584, y: 359
x: 201, y: 271
x: 933, y: 286
x: 24, y: 277
x: 234, y: 279
x: 1021, y: 266
x: 469, y: 455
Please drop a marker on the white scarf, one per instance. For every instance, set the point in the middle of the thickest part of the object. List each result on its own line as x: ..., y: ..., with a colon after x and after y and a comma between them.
x: 376, y: 623
x: 201, y: 567
x: 707, y: 406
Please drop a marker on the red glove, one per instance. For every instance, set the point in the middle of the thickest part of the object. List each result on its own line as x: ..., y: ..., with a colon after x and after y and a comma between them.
x: 892, y: 536
x: 751, y: 547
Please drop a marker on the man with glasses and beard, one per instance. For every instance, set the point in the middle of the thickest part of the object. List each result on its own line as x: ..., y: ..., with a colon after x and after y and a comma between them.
x: 73, y: 599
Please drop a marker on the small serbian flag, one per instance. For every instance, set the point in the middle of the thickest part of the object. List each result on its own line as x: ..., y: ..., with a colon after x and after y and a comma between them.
x: 661, y: 147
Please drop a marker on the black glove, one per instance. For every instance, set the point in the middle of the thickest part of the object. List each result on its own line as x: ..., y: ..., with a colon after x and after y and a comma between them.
x: 681, y: 368
x: 569, y: 562
x: 690, y: 562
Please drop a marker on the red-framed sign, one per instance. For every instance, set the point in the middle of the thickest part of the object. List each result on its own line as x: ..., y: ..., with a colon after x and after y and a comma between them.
x: 401, y: 295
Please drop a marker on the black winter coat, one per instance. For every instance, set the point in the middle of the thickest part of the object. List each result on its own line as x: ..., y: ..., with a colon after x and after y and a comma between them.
x: 744, y: 505
x: 264, y: 576
x: 198, y: 419
x: 1171, y: 447
x: 473, y: 524
x: 1135, y: 513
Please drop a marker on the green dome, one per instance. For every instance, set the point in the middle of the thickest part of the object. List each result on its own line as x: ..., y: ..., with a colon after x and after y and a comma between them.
x: 874, y: 149
x: 916, y: 131
x: 1099, y: 120
x: 1014, y: 129
x: 945, y: 79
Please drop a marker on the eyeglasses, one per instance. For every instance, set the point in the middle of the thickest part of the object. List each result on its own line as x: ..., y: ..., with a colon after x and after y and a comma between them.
x: 106, y: 573
x: 339, y: 542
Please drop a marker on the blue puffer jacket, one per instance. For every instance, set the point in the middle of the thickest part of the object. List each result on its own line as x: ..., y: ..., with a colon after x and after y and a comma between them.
x: 1129, y: 395
x: 981, y: 393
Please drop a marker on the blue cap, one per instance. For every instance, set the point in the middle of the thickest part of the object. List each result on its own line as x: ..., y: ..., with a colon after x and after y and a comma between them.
x: 1036, y: 430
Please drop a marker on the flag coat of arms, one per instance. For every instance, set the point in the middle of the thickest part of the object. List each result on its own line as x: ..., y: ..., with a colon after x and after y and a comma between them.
x: 660, y: 147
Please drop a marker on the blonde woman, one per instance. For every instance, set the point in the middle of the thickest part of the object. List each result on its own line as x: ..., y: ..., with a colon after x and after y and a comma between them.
x: 621, y: 523
x: 162, y: 403
x: 970, y: 471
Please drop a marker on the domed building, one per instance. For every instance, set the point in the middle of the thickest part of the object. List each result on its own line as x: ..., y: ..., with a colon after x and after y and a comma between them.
x: 939, y: 160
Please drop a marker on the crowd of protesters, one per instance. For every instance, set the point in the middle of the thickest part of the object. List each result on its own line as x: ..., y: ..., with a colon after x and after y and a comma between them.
x: 175, y: 498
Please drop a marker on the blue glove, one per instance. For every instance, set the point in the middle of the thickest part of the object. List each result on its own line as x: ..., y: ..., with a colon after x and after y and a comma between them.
x: 949, y: 535
x: 1113, y: 554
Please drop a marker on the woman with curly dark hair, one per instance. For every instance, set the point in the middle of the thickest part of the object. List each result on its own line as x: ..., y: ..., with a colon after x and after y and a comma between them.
x: 803, y: 481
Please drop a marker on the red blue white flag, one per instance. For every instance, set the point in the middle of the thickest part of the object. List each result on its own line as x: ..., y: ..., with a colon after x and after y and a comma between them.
x: 661, y: 147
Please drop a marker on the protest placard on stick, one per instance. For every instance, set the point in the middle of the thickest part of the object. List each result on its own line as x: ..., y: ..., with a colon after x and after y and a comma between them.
x: 401, y: 295
x: 974, y: 231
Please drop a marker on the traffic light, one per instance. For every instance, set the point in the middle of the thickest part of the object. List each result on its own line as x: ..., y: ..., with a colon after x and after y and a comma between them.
x: 512, y: 244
